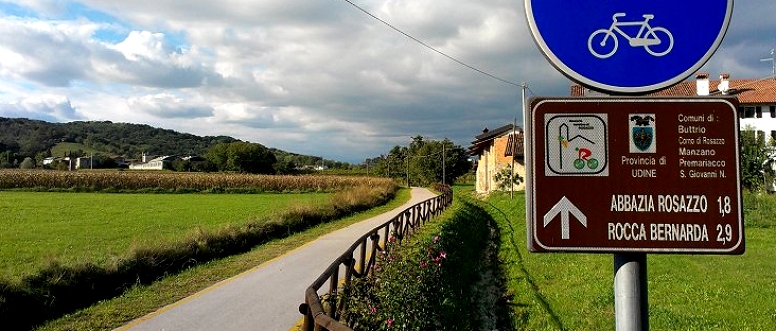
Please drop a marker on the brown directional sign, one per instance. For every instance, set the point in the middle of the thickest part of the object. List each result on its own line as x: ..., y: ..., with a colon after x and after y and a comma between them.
x: 642, y: 175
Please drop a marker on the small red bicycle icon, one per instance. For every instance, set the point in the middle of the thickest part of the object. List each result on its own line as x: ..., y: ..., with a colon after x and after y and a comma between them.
x: 584, y: 158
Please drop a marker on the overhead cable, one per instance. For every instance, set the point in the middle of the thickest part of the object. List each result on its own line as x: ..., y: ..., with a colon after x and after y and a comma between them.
x: 430, y: 47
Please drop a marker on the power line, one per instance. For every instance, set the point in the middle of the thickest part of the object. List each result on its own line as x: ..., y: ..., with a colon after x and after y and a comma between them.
x: 530, y: 90
x: 432, y: 48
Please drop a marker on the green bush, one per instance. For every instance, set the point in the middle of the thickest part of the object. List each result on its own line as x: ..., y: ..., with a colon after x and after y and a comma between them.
x: 426, y: 283
x: 759, y: 208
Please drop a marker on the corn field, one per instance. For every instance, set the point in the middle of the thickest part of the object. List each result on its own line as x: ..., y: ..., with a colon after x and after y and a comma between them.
x: 122, y: 181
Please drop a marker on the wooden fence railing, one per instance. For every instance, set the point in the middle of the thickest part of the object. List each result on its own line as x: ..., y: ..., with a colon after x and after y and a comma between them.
x: 401, y: 226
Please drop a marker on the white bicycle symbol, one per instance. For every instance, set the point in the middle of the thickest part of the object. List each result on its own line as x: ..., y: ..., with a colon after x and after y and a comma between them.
x: 648, y: 37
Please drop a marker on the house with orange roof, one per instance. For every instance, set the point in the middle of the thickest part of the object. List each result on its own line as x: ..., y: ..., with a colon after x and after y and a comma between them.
x: 496, y: 151
x: 756, y: 97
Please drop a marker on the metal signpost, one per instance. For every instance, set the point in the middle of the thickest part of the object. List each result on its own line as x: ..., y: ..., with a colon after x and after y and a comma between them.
x: 632, y: 176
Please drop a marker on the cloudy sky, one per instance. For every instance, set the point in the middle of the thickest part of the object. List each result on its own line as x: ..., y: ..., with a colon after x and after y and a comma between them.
x: 317, y: 77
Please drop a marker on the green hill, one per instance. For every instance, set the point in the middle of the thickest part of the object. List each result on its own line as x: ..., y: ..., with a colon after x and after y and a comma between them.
x: 21, y: 137
x: 25, y: 137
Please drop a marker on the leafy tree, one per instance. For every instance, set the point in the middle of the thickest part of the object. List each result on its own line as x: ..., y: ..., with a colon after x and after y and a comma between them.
x: 5, y: 159
x: 60, y: 165
x: 27, y: 163
x: 102, y: 161
x: 284, y: 167
x: 754, y: 153
x: 424, y: 160
x: 241, y: 156
x: 181, y: 165
x: 506, y: 180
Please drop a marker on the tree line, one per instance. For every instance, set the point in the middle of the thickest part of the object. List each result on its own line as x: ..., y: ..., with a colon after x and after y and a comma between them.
x: 25, y: 143
x: 423, y: 162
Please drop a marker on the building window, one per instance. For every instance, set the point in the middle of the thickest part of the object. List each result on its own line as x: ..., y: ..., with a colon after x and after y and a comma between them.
x: 748, y: 112
x: 773, y: 134
x: 758, y: 111
x: 773, y: 111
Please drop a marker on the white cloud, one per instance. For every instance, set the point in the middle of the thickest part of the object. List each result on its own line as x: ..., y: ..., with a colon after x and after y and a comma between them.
x: 166, y: 105
x: 50, y: 53
x: 305, y: 76
x: 45, y: 107
x: 145, y: 45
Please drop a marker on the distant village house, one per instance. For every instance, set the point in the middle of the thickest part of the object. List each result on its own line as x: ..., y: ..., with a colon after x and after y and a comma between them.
x: 495, y: 151
x: 150, y: 162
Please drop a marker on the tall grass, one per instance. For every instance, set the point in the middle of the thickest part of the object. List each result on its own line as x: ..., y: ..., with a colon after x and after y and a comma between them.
x: 133, y: 181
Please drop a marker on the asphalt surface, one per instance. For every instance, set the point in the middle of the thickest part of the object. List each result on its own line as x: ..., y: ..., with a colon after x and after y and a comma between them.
x: 266, y: 297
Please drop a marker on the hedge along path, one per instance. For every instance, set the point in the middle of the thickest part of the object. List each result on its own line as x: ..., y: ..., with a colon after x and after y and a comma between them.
x: 59, y: 289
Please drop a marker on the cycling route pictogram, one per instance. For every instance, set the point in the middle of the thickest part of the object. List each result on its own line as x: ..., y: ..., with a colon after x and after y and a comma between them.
x: 576, y: 145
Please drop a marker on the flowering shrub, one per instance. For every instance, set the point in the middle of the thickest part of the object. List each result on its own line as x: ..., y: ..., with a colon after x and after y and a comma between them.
x: 404, y: 291
x: 424, y: 284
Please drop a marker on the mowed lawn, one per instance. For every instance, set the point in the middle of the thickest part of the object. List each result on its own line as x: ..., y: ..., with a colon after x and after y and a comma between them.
x: 573, y: 291
x: 37, y: 228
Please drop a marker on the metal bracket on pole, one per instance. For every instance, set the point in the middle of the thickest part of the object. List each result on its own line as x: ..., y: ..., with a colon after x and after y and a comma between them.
x: 631, y: 304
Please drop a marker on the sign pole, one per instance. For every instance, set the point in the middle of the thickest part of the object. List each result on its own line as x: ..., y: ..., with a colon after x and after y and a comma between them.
x: 574, y: 143
x: 631, y: 304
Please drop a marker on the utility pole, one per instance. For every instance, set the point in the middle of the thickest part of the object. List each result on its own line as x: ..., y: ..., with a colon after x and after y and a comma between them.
x: 408, y: 171
x: 512, y: 152
x: 443, y: 163
x: 523, y: 86
x: 773, y: 63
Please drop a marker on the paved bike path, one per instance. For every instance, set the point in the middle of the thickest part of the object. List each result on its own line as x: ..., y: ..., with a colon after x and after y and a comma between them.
x: 266, y: 297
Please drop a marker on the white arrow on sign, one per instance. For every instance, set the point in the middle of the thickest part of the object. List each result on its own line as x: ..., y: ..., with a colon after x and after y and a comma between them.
x: 564, y: 207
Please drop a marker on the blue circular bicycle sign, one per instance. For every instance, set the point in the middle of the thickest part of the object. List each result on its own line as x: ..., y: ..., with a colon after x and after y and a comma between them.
x: 626, y: 46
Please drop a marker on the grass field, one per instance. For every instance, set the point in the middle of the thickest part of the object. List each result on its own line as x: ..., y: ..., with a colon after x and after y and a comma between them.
x: 144, y: 299
x: 563, y: 291
x: 39, y: 227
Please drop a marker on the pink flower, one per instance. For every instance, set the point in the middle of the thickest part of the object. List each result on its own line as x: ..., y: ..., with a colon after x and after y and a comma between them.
x: 423, y: 264
x: 443, y: 255
x: 373, y: 309
x: 389, y: 322
x: 392, y: 239
x: 436, y: 239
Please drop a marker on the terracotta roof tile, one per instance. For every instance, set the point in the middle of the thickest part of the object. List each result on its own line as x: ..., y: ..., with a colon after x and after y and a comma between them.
x: 748, y: 91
